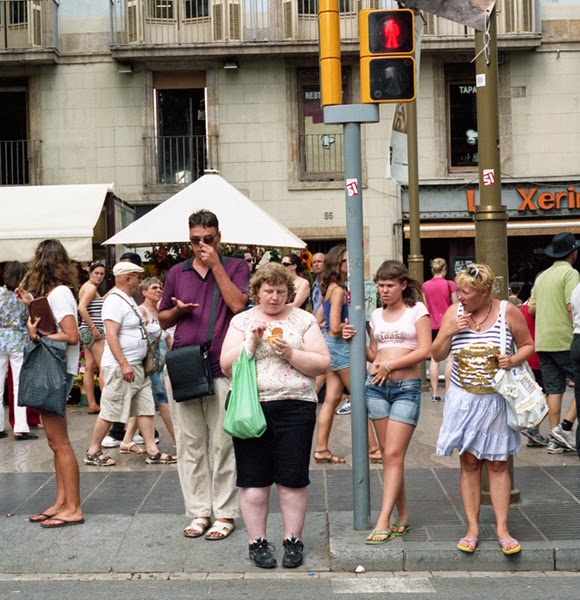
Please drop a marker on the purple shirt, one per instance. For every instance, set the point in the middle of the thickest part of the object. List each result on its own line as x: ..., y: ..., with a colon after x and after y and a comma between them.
x: 186, y: 284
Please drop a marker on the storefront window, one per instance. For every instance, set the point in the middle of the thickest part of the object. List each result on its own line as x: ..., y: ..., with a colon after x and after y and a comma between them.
x: 462, y: 119
x: 321, y: 146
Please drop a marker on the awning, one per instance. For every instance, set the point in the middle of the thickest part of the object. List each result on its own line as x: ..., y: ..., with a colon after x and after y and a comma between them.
x: 30, y: 214
x: 514, y: 228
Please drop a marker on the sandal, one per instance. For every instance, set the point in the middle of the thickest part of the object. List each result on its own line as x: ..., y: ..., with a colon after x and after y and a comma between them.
x: 468, y: 545
x: 505, y: 546
x: 198, y: 526
x: 398, y: 525
x: 131, y: 448
x: 98, y: 459
x: 370, y: 541
x: 224, y: 528
x: 375, y: 460
x: 161, y: 459
x: 329, y: 458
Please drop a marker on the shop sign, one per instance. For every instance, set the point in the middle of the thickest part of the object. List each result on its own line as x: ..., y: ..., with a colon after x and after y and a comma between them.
x: 533, y: 199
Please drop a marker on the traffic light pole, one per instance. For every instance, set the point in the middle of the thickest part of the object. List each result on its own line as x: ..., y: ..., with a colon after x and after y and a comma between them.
x: 351, y: 116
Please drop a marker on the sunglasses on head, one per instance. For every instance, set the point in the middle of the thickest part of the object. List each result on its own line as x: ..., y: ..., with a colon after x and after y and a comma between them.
x: 207, y: 239
x: 473, y: 271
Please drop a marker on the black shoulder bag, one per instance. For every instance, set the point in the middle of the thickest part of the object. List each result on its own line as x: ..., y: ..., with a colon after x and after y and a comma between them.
x: 188, y: 367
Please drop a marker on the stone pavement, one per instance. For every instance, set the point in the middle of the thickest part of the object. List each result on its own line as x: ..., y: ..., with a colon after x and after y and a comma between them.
x: 134, y: 514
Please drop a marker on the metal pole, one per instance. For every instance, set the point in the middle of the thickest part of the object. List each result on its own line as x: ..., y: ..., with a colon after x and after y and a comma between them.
x: 351, y: 116
x: 490, y: 215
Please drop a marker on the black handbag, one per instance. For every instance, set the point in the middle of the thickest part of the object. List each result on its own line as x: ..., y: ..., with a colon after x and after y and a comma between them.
x: 188, y: 367
x: 43, y: 383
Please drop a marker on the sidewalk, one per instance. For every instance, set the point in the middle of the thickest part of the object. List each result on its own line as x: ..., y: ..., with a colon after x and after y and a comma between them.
x: 134, y: 514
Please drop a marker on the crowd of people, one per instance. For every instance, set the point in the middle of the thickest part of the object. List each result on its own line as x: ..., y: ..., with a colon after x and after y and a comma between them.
x: 235, y: 307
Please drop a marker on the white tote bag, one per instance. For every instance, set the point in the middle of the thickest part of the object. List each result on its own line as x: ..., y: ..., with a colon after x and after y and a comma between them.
x: 525, y: 400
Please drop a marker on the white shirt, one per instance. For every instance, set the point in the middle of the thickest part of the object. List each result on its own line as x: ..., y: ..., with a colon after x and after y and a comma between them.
x: 63, y: 303
x: 575, y: 305
x: 133, y: 343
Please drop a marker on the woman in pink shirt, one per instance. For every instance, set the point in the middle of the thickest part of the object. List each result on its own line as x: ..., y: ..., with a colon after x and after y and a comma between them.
x: 439, y: 294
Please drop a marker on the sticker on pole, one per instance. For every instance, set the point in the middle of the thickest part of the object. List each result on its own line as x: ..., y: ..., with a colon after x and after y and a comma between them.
x: 488, y: 177
x: 352, y: 187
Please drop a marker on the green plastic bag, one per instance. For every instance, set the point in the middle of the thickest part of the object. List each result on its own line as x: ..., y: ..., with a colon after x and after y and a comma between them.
x: 244, y: 415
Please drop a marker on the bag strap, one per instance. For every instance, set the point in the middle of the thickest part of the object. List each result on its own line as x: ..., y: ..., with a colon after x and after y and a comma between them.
x: 214, y: 303
x: 449, y: 292
x: 151, y: 347
x: 503, y: 330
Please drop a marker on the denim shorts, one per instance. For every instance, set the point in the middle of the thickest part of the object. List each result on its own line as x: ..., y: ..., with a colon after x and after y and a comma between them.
x: 396, y: 400
x: 339, y: 353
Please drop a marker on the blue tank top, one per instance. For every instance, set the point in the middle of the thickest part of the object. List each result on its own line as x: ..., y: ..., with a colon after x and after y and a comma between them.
x: 326, y: 310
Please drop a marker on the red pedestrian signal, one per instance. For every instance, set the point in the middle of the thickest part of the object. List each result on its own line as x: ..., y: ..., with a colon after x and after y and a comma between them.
x: 387, y: 64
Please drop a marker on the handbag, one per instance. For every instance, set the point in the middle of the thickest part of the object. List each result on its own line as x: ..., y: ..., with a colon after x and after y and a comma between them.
x: 525, y: 401
x: 151, y: 363
x: 43, y: 381
x: 39, y: 308
x: 244, y: 415
x: 189, y: 368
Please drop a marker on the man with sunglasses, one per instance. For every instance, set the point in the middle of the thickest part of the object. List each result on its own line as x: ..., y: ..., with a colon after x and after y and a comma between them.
x: 206, y: 462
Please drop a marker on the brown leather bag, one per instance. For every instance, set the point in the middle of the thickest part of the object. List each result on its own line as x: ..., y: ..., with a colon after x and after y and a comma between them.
x: 39, y: 307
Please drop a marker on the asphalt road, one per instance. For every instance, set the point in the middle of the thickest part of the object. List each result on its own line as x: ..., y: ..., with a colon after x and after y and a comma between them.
x: 265, y: 586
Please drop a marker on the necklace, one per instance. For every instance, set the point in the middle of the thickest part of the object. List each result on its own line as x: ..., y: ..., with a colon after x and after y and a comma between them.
x: 478, y: 325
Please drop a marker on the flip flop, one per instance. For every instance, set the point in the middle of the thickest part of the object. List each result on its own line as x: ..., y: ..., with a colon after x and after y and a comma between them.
x: 504, y: 545
x: 43, y: 517
x: 464, y: 545
x: 61, y: 523
x: 397, y: 525
x: 199, y: 526
x: 222, y: 527
x: 375, y: 532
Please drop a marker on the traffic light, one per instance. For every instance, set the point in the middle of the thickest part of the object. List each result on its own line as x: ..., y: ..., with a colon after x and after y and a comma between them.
x: 387, y: 64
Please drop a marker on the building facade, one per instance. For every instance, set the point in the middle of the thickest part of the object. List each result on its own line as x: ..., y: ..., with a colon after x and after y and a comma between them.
x: 149, y: 93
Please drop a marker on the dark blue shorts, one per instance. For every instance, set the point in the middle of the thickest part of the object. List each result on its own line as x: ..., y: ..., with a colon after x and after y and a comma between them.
x: 556, y: 369
x: 282, y: 454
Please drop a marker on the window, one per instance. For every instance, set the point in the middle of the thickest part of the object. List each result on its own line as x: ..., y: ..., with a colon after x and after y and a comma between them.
x: 196, y: 9
x: 160, y: 9
x: 462, y: 117
x: 310, y: 7
x: 18, y: 12
x: 321, y: 146
x: 181, y: 143
x: 14, y: 168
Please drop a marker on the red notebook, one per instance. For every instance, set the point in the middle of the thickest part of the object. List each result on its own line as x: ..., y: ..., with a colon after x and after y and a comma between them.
x: 41, y: 308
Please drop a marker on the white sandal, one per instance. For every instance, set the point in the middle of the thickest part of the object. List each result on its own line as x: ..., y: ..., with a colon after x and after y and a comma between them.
x: 131, y: 448
x: 222, y: 527
x: 199, y: 526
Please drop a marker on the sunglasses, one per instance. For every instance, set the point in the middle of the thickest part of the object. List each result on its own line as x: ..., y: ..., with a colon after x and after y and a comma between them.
x: 344, y: 260
x: 473, y: 271
x: 207, y: 239
x: 249, y: 260
x: 287, y: 264
x: 155, y: 287
x: 96, y: 263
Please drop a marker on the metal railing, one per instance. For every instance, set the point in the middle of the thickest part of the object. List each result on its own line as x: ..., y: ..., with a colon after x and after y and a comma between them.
x: 191, y: 22
x: 322, y: 156
x: 27, y: 24
x: 19, y: 162
x: 179, y: 159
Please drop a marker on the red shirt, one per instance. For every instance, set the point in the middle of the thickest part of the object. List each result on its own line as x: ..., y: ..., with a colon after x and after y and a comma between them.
x: 533, y: 361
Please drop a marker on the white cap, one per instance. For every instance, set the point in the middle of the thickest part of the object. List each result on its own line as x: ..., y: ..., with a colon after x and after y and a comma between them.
x: 123, y: 268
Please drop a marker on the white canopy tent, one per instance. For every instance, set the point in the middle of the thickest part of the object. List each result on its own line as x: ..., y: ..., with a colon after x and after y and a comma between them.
x: 241, y: 221
x: 68, y: 213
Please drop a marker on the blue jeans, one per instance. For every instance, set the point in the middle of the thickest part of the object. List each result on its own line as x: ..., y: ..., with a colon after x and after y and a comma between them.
x: 396, y: 400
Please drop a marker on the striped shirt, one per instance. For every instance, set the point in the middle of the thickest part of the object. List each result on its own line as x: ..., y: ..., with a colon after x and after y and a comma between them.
x: 475, y: 356
x: 95, y: 309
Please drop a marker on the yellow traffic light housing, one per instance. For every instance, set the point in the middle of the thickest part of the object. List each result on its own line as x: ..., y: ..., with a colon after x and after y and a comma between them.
x: 387, y: 62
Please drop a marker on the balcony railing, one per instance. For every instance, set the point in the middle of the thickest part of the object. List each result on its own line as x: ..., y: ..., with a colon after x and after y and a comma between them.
x: 322, y: 156
x: 28, y: 24
x: 179, y: 159
x: 19, y: 162
x: 194, y: 22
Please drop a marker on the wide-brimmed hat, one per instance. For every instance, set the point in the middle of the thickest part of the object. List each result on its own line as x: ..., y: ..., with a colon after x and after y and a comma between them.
x: 124, y: 268
x: 561, y: 245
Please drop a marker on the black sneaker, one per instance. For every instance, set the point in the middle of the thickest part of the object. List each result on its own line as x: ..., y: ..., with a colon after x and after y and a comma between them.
x: 293, y: 549
x: 261, y: 554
